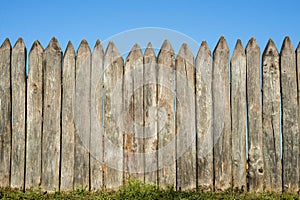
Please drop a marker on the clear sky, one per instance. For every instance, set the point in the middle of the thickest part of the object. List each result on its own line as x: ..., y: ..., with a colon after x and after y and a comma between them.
x: 199, y: 20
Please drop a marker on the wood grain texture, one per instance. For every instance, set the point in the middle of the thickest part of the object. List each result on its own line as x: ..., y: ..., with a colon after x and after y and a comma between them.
x: 5, y: 108
x: 52, y: 64
x: 150, y: 115
x: 34, y: 117
x: 18, y: 84
x: 204, y: 118
x: 96, y: 148
x: 68, y: 121
x: 166, y: 119
x: 271, y: 118
x: 255, y: 152
x: 298, y: 81
x: 290, y: 129
x: 113, y: 138
x: 185, y: 120
x: 133, y: 115
x: 82, y: 115
x: 222, y: 120
x: 238, y: 116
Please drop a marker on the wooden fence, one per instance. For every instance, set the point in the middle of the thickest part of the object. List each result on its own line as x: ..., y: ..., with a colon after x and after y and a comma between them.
x: 92, y: 119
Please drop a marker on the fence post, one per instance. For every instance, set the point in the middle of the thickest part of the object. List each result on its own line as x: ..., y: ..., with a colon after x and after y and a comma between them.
x: 166, y: 121
x: 150, y: 115
x: 222, y: 120
x: 290, y: 130
x: 34, y: 117
x: 255, y: 148
x: 271, y: 118
x: 238, y: 116
x: 133, y: 118
x: 204, y: 118
x: 185, y: 120
x: 82, y: 115
x: 113, y: 138
x: 18, y: 84
x: 68, y: 122
x: 52, y: 63
x: 96, y: 146
x: 5, y: 107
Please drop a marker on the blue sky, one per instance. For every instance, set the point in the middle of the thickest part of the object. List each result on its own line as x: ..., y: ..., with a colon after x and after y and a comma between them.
x: 199, y: 20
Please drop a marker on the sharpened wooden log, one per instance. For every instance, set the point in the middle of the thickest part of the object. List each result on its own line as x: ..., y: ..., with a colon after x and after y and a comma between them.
x: 5, y: 107
x: 222, y: 120
x: 52, y: 64
x: 238, y: 116
x: 204, y: 118
x: 185, y: 120
x: 255, y: 148
x: 290, y: 129
x: 18, y: 84
x: 271, y: 118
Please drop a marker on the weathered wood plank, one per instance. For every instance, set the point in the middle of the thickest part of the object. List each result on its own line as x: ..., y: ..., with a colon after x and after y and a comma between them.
x: 82, y: 115
x: 133, y: 115
x: 113, y: 138
x: 255, y: 152
x: 290, y: 129
x: 68, y: 121
x: 52, y: 64
x: 34, y: 117
x: 238, y: 116
x: 5, y: 108
x: 150, y: 115
x: 185, y: 120
x: 298, y: 81
x: 96, y: 148
x: 18, y: 84
x: 271, y: 118
x: 204, y: 118
x: 221, y: 120
x: 166, y: 119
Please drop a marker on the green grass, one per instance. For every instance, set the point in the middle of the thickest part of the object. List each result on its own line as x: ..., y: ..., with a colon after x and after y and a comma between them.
x: 138, y: 190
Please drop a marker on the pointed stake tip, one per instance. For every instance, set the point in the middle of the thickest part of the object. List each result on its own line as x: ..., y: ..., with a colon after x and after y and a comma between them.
x: 166, y: 45
x: 270, y: 49
x: 6, y: 44
x: 149, y: 50
x: 19, y: 43
x: 287, y: 45
x: 222, y: 45
x: 70, y: 47
x: 111, y: 50
x: 98, y: 42
x: 37, y: 45
x: 252, y: 44
x: 149, y: 45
